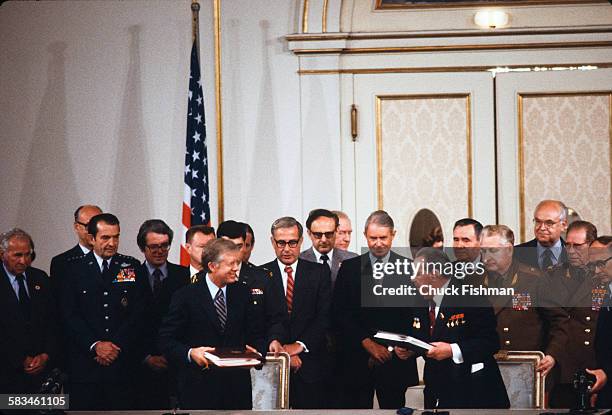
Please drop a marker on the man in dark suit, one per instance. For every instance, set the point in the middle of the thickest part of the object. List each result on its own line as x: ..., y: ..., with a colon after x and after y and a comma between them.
x: 214, y: 312
x: 164, y: 279
x: 59, y: 262
x: 460, y: 370
x: 322, y: 226
x: 103, y: 302
x: 28, y: 343
x: 267, y: 302
x: 547, y: 249
x: 307, y: 289
x: 366, y: 365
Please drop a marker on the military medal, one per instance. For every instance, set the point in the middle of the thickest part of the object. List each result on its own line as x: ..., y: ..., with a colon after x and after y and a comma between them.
x: 37, y: 287
x: 124, y: 301
x: 521, y: 301
x: 598, y: 294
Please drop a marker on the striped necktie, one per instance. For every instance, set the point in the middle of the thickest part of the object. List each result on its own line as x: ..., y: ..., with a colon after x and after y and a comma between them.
x: 290, y: 284
x: 221, y: 308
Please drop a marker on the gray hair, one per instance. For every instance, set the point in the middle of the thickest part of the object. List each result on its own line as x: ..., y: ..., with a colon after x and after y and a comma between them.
x: 380, y: 218
x: 6, y: 237
x: 286, y: 222
x: 341, y: 214
x: 215, y: 249
x: 503, y: 231
x: 563, y: 212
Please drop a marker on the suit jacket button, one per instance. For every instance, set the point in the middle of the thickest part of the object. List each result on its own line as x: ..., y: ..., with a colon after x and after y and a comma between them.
x: 105, y: 292
x: 106, y: 330
x: 105, y: 317
x: 105, y: 305
x: 588, y: 318
x: 507, y: 342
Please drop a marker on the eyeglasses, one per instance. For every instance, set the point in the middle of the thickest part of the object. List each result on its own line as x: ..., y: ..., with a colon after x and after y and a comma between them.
x: 160, y: 247
x: 544, y: 223
x: 82, y: 224
x: 592, y: 266
x: 319, y: 235
x: 292, y: 243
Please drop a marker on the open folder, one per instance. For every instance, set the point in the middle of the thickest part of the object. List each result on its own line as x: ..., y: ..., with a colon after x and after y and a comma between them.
x: 402, y: 340
x: 234, y: 358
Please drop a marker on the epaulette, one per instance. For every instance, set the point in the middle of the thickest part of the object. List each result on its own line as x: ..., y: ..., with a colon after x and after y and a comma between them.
x: 75, y: 258
x: 267, y: 271
x: 126, y: 257
x: 529, y: 270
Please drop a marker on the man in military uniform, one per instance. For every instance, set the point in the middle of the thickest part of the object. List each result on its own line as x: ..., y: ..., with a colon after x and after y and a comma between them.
x: 600, y: 262
x: 573, y: 285
x: 103, y: 300
x: 269, y: 303
x: 529, y: 319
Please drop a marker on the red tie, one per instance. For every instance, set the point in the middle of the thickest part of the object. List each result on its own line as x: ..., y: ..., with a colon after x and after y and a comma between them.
x: 290, y: 283
x: 432, y: 316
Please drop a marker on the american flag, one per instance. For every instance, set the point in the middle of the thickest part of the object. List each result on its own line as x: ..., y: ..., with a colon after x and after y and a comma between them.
x: 196, y: 208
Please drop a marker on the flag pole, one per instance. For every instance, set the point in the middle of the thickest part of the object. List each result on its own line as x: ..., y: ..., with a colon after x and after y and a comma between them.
x: 195, y: 24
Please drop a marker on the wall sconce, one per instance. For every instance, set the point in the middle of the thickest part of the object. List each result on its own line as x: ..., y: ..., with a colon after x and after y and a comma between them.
x: 491, y: 19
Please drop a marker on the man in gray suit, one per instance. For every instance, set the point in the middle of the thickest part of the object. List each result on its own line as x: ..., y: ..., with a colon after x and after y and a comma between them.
x: 322, y: 225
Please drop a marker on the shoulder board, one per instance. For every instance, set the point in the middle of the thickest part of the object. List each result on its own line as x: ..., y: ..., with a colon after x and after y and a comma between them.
x: 269, y: 273
x: 529, y: 270
x: 75, y: 258
x: 126, y: 257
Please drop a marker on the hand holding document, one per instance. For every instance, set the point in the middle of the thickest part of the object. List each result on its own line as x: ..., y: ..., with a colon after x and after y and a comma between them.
x: 234, y: 357
x: 402, y: 340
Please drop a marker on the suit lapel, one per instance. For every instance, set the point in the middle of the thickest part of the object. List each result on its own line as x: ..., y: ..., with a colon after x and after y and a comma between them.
x: 208, y: 304
x: 9, y: 293
x: 300, y: 285
x: 277, y: 282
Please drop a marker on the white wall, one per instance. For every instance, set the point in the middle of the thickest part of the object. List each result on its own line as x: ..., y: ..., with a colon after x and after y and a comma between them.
x: 93, y: 107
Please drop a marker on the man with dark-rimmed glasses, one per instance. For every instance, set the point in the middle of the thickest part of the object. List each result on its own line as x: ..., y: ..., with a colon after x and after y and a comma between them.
x: 164, y: 279
x: 306, y: 286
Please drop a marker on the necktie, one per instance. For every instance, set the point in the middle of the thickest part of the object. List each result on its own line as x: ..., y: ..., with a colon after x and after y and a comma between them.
x: 104, y: 267
x: 24, y: 299
x: 290, y: 283
x: 547, y: 259
x: 157, y: 274
x: 325, y: 260
x: 432, y: 316
x: 221, y: 308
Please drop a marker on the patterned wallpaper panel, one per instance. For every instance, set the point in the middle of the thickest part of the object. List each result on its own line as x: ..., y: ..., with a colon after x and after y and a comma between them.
x: 566, y: 152
x: 424, y: 149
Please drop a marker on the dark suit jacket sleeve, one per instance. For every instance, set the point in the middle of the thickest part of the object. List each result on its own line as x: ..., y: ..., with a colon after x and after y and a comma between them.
x: 483, y: 341
x: 51, y: 328
x: 275, y: 314
x: 173, y: 330
x: 314, y: 336
x: 347, y: 305
x: 75, y: 327
x: 556, y: 318
x: 133, y: 328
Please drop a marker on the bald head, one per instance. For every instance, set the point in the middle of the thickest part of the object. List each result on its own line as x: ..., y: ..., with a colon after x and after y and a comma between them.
x: 549, y: 220
x: 81, y: 219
